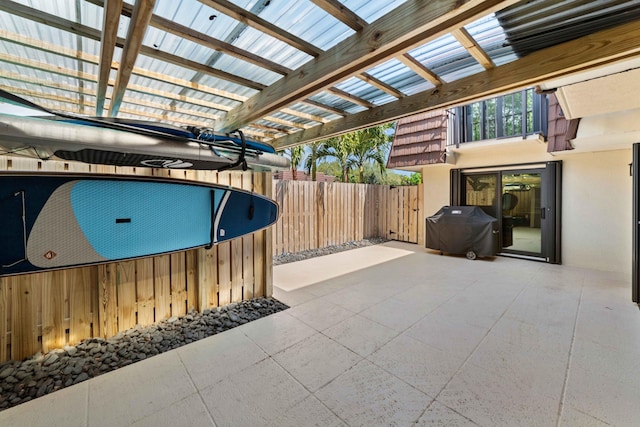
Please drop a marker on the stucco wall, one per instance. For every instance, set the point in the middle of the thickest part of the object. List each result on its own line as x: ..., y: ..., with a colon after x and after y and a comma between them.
x: 596, y: 206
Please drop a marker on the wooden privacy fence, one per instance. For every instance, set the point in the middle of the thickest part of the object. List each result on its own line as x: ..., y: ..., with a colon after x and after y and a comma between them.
x: 319, y: 214
x: 44, y: 311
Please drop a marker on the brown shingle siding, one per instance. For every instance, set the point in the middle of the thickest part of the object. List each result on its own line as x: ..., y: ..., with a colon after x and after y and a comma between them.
x: 559, y: 130
x: 419, y: 140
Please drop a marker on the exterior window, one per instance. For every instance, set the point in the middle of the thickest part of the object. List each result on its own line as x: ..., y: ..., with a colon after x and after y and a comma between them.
x: 515, y: 114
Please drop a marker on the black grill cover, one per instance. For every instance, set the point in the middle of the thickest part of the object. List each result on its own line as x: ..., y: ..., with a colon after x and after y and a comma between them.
x: 460, y: 229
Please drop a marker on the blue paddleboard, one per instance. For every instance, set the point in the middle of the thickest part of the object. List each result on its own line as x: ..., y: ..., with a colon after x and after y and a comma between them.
x: 53, y: 221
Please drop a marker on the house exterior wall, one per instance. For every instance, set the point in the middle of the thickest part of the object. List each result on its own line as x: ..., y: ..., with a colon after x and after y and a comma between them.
x: 597, y: 208
x: 596, y: 197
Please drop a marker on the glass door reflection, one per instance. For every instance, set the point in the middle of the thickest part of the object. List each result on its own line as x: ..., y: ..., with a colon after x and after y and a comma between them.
x: 521, y: 213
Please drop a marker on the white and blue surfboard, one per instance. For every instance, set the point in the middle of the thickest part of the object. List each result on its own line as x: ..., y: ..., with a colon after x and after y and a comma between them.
x: 53, y: 221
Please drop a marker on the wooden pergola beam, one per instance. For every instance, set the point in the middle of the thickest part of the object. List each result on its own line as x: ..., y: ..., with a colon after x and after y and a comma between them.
x: 588, y: 52
x: 343, y: 14
x: 350, y: 97
x: 417, y: 67
x: 470, y: 44
x: 379, y: 84
x: 302, y: 115
x: 325, y: 107
x: 248, y: 18
x: 135, y: 33
x: 110, y: 22
x: 288, y: 123
x: 410, y: 24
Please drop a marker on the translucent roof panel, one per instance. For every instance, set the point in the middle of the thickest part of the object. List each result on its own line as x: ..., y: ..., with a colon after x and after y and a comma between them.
x: 372, y: 10
x: 491, y: 37
x: 271, y: 48
x: 306, y: 109
x: 304, y: 19
x: 446, y: 58
x: 397, y: 75
x: 336, y: 102
x: 197, y: 17
x: 364, y: 90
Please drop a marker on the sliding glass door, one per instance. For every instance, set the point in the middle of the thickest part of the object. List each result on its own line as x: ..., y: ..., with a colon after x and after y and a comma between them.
x: 525, y: 201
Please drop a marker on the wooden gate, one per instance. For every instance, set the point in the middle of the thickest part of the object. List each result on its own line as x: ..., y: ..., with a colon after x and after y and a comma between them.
x: 404, y: 214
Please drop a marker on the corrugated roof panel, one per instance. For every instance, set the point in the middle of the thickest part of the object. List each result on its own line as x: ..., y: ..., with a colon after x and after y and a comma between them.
x: 282, y: 128
x: 295, y: 119
x: 162, y: 68
x: 337, y: 102
x: 271, y: 48
x: 307, y: 21
x: 532, y: 26
x: 397, y: 75
x: 196, y: 16
x: 447, y: 58
x: 227, y: 86
x: 247, y: 70
x: 306, y: 108
x: 490, y: 36
x: 211, y: 98
x: 202, y: 55
x: 372, y: 10
x: 364, y: 90
x: 177, y: 46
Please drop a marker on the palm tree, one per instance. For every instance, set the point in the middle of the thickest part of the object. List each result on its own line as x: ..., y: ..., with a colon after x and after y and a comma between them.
x: 311, y: 163
x: 295, y: 155
x: 369, y: 144
x: 339, y: 149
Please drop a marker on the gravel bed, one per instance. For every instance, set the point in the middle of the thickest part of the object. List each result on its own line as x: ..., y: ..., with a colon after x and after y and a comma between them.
x: 312, y: 253
x: 42, y: 374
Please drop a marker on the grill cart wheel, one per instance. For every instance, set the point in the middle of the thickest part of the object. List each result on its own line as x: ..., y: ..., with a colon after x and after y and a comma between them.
x: 471, y: 255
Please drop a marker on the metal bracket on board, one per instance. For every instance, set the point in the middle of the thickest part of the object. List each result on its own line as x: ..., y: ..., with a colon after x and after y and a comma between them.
x: 241, y: 159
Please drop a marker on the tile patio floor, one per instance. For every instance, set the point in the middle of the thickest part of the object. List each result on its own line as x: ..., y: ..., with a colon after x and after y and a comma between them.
x: 413, y: 338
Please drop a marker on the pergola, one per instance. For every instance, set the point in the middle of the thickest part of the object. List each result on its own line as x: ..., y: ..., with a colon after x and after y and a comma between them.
x: 291, y: 72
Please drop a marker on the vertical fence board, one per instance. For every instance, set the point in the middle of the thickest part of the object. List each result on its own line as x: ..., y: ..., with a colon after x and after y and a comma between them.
x: 178, y: 284
x: 247, y: 249
x: 259, y: 180
x: 126, y: 282
x: 144, y: 291
x: 53, y: 311
x: 236, y: 252
x: 268, y: 245
x: 191, y: 259
x: 107, y: 299
x: 162, y: 286
x: 224, y: 258
x: 207, y: 264
x: 25, y: 309
x: 80, y: 316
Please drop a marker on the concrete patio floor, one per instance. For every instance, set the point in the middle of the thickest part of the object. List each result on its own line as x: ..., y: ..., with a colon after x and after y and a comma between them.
x: 410, y: 338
